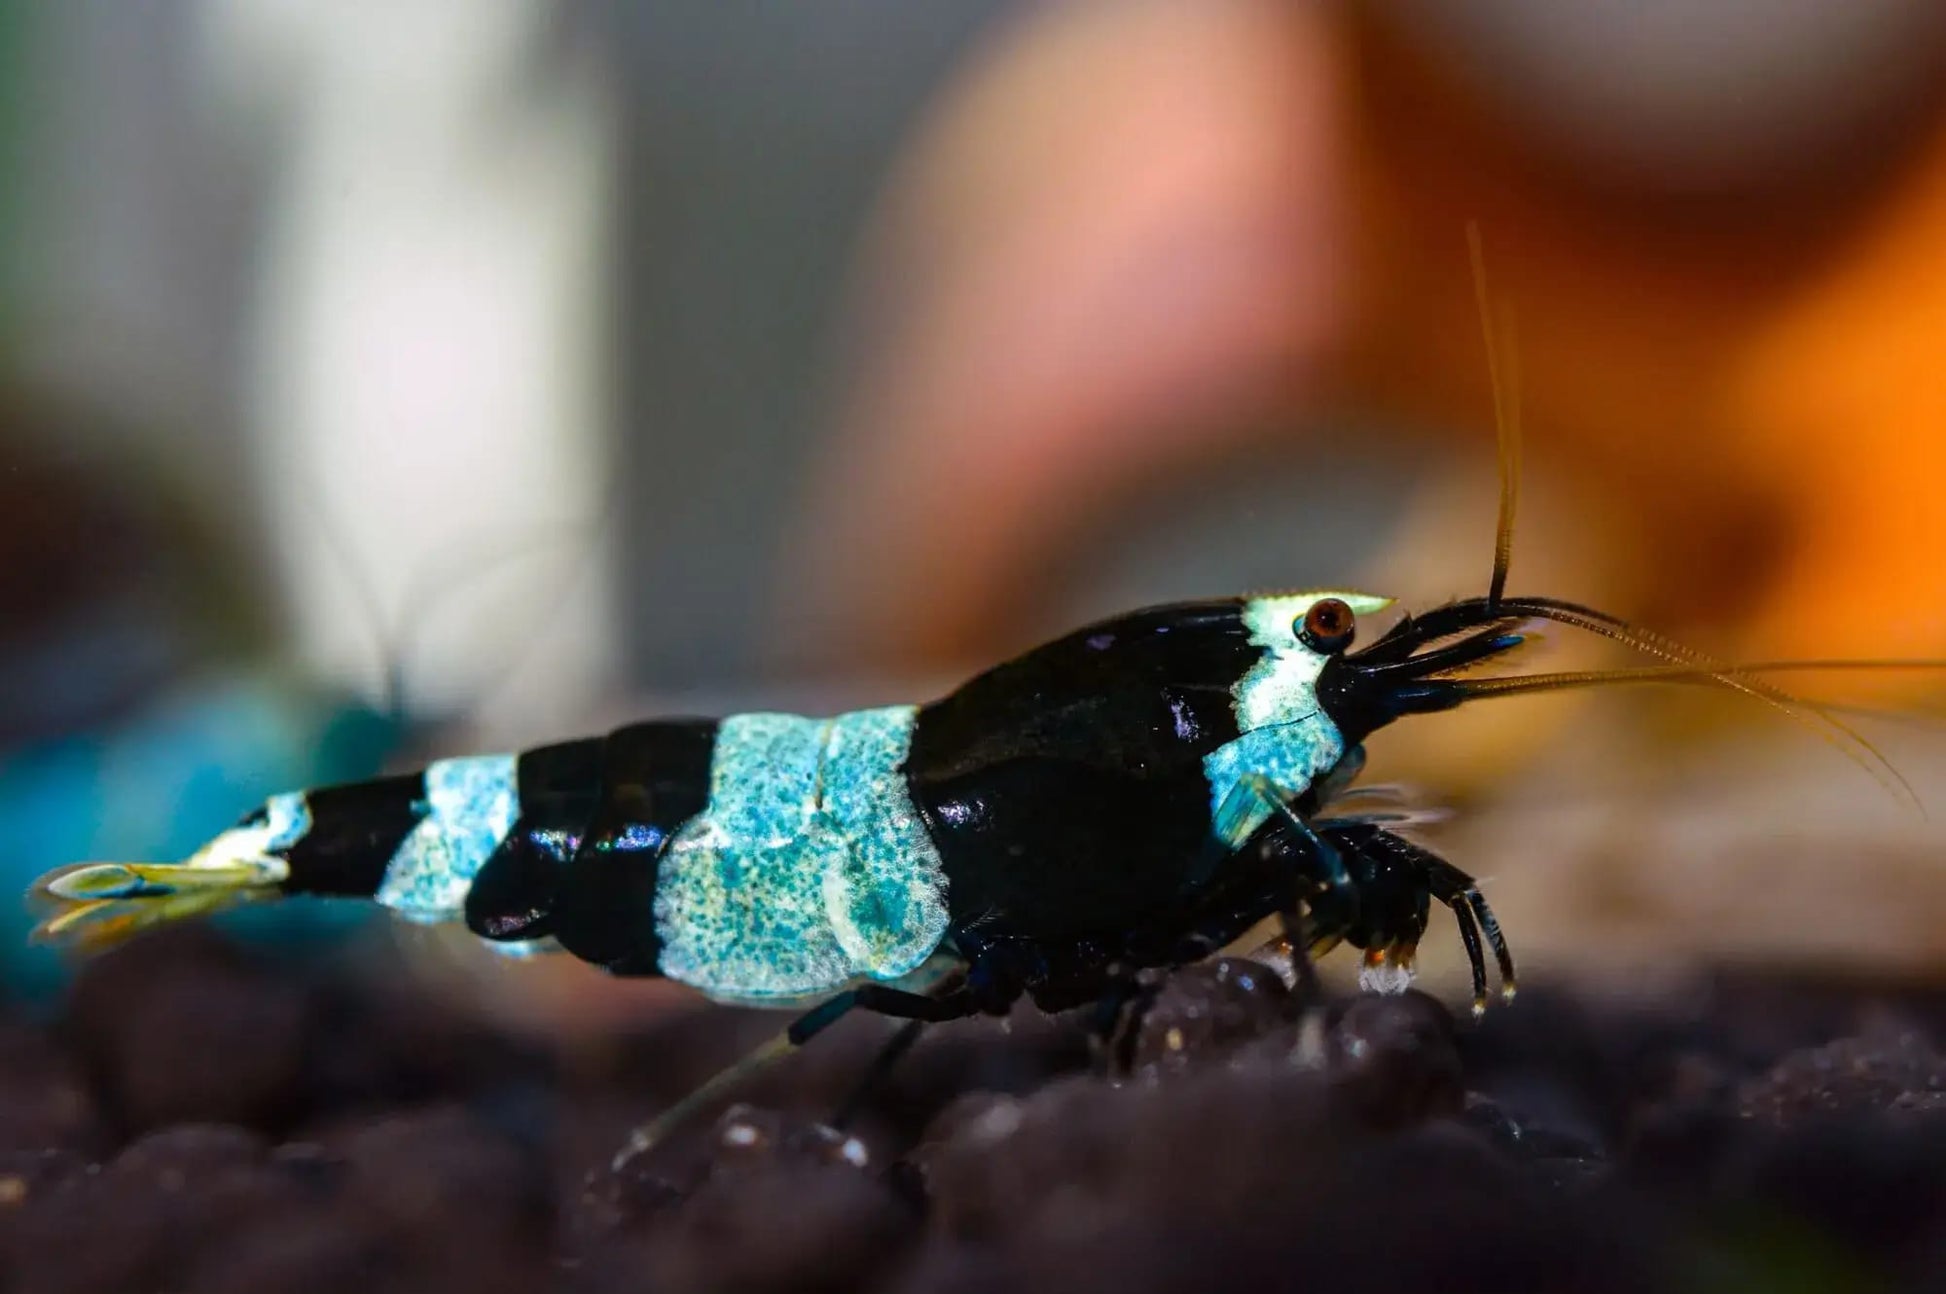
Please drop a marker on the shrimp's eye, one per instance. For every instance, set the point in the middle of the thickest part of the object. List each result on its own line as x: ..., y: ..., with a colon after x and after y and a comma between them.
x: 1327, y: 627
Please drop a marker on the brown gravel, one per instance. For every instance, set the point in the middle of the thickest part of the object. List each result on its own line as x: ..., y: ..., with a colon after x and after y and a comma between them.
x: 199, y: 1118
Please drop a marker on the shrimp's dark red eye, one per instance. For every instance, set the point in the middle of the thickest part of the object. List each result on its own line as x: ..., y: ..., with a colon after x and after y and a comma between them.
x: 1327, y: 627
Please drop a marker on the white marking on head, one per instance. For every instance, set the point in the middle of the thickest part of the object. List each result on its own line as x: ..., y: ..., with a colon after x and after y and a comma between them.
x: 1282, y: 687
x: 1284, y: 736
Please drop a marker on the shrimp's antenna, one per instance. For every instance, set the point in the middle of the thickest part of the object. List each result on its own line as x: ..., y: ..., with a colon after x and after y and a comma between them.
x: 1687, y: 664
x: 1503, y: 373
x: 394, y: 702
x: 1518, y: 684
x: 430, y: 589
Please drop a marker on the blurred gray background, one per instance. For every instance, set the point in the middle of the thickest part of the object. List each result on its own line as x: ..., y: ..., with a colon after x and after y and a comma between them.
x: 694, y: 174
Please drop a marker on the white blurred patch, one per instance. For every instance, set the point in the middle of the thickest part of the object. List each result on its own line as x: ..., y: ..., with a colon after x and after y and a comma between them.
x: 427, y: 384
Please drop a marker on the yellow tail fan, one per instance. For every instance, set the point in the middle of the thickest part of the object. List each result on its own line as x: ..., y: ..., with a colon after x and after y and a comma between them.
x: 97, y: 905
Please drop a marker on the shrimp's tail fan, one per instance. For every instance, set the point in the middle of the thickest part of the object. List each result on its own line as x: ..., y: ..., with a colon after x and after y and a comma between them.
x: 92, y: 906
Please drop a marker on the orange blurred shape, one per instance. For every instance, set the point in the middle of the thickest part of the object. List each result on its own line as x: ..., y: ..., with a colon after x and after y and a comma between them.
x: 1115, y: 243
x: 1754, y: 374
x: 1135, y: 232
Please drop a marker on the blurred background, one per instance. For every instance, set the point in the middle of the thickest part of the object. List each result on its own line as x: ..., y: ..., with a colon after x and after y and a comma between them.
x: 379, y: 382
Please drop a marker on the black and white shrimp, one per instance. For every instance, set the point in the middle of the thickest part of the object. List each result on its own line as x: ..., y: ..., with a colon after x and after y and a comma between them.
x: 1136, y: 794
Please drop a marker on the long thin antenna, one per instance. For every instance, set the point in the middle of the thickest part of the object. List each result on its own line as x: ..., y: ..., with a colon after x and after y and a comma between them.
x: 394, y: 704
x: 1503, y: 370
x: 1515, y: 685
x: 1506, y: 411
x: 431, y: 588
x: 1738, y: 678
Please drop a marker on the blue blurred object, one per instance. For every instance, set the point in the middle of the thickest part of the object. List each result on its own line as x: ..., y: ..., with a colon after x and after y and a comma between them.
x: 139, y: 711
x: 164, y: 780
